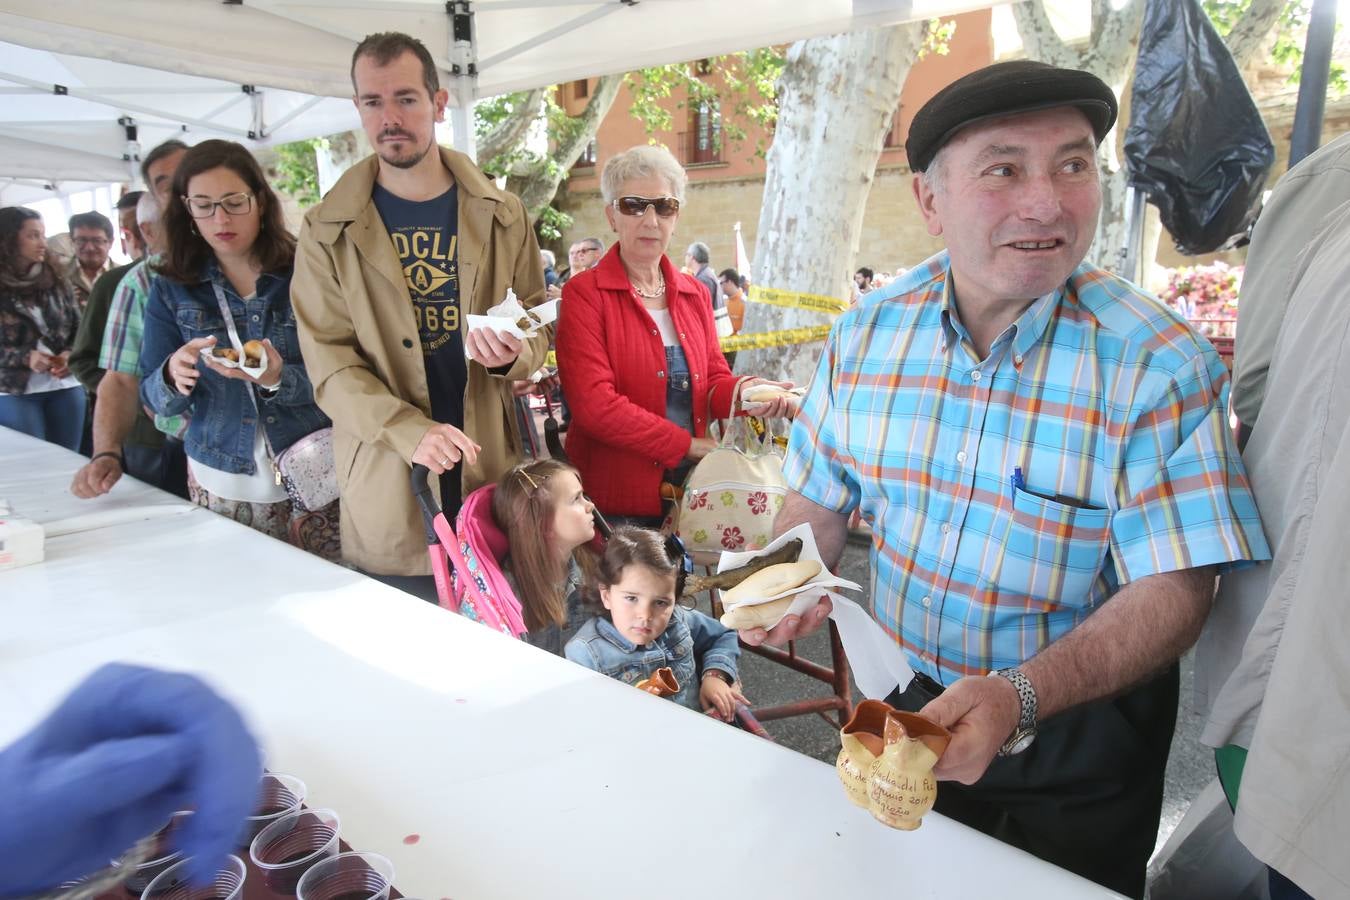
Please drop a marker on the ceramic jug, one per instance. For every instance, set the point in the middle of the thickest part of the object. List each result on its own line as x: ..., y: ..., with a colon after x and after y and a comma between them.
x: 861, y: 742
x: 662, y: 683
x: 902, y: 787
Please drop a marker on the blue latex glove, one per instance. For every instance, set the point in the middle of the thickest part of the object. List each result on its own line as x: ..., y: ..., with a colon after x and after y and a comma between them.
x: 127, y: 748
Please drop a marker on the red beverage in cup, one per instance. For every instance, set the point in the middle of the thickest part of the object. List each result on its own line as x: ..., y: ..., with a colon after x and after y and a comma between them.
x: 348, y: 876
x: 285, y: 849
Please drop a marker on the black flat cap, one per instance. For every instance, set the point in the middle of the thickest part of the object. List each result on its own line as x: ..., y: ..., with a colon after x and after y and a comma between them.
x: 1003, y: 89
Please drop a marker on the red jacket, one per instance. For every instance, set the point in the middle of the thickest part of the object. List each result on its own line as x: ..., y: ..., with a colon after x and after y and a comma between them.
x: 612, y: 363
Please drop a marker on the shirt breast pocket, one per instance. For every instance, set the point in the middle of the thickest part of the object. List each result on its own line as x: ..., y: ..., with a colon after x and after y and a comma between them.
x: 1054, y: 551
x: 194, y: 322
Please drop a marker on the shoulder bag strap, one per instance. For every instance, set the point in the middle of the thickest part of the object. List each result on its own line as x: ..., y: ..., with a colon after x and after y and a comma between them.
x: 248, y: 388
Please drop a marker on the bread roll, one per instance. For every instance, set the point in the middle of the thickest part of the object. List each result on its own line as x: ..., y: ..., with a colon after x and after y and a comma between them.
x: 758, y: 615
x: 226, y: 353
x: 253, y: 353
x: 765, y: 393
x: 772, y: 580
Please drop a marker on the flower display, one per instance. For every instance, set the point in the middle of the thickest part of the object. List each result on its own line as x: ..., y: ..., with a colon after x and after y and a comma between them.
x: 1207, y: 296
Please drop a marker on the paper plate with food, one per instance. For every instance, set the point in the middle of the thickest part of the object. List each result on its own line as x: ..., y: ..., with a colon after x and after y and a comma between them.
x: 787, y: 586
x: 251, y: 358
x: 509, y: 317
x: 788, y: 577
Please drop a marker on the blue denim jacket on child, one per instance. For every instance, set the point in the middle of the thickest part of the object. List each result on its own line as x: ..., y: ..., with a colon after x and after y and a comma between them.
x: 691, y: 645
x: 221, y: 430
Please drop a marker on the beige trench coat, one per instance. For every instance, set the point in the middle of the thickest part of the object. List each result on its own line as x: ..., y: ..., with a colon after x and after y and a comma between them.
x: 358, y: 334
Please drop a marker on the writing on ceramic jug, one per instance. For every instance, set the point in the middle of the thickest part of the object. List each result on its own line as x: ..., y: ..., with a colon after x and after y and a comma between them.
x: 900, y: 795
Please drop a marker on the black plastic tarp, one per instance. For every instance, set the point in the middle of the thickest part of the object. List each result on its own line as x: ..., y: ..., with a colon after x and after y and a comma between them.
x: 1196, y: 144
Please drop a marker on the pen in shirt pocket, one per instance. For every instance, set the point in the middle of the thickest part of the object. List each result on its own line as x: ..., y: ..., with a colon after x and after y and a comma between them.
x: 1019, y: 483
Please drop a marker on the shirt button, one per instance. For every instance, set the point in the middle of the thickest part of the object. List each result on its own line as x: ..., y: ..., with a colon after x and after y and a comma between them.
x: 1018, y: 359
x: 961, y: 456
x: 271, y: 419
x: 946, y: 527
x: 661, y: 374
x: 927, y: 602
x: 653, y: 331
x: 975, y: 376
x: 255, y: 318
x: 407, y: 343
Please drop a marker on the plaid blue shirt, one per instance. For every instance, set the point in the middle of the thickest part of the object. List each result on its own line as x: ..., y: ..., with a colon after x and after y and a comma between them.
x: 1010, y: 497
x: 121, y: 350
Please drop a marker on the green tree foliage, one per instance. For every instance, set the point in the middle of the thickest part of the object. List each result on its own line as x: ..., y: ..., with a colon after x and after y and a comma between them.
x: 296, y: 170
x: 1287, y: 49
x: 744, y: 86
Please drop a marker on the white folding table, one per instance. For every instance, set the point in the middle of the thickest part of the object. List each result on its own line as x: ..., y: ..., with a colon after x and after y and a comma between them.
x: 483, y: 767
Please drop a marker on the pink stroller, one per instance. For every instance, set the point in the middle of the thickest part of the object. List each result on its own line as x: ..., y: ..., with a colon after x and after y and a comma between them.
x: 466, y: 563
x: 469, y: 578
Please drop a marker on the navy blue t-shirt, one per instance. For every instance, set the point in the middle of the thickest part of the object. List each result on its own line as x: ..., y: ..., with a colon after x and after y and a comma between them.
x: 426, y: 239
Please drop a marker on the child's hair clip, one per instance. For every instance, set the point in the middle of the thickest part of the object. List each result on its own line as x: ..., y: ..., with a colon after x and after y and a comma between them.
x: 679, y: 557
x: 534, y: 485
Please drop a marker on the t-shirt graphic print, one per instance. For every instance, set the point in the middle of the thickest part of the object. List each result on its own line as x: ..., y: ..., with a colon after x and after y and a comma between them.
x: 425, y: 235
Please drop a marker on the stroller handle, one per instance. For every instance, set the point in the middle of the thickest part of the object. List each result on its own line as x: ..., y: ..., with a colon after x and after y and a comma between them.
x: 426, y: 501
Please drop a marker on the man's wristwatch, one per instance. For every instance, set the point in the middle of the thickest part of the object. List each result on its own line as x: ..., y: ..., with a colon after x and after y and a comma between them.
x: 1025, y: 732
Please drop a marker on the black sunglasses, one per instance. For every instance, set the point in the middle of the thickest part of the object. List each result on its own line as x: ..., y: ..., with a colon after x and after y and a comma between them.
x: 637, y: 206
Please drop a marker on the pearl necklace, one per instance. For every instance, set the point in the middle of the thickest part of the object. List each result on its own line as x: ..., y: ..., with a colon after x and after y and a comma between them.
x: 653, y: 295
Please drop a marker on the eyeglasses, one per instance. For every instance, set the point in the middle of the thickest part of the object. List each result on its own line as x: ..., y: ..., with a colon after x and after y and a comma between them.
x: 233, y: 204
x: 637, y: 206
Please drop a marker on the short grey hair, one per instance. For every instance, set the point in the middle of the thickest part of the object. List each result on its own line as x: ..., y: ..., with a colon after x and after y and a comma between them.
x: 699, y: 251
x: 933, y: 175
x: 147, y: 208
x: 547, y: 257
x: 594, y: 243
x: 642, y: 161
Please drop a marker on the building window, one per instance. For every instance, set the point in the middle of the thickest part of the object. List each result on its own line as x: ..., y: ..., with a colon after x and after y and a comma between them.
x: 702, y: 143
x: 588, y: 157
x: 581, y: 89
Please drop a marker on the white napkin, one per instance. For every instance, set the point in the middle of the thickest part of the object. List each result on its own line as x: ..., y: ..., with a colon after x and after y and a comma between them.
x: 877, y: 662
x: 503, y: 318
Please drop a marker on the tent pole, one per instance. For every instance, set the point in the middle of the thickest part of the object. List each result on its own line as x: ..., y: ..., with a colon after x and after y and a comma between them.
x: 1312, y: 85
x: 1135, y: 201
x: 132, y: 154
x: 464, y: 73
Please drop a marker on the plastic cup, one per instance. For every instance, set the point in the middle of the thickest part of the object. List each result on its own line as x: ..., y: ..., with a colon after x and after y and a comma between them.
x: 161, y: 858
x: 348, y: 876
x: 277, y: 796
x: 174, y: 883
x: 287, y: 848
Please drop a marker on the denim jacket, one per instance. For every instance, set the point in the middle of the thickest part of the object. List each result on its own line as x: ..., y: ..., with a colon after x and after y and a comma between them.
x: 692, y: 644
x: 221, y: 432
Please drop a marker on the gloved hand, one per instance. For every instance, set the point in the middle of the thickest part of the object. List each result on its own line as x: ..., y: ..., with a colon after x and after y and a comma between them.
x: 124, y: 751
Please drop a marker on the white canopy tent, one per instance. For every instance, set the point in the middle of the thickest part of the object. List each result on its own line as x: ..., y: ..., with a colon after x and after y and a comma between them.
x: 87, y: 85
x: 69, y: 122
